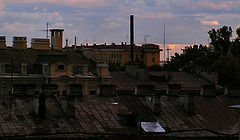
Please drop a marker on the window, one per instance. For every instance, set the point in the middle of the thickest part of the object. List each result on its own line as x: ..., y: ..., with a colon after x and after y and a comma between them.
x: 136, y: 56
x: 92, y: 92
x: 153, y: 59
x: 60, y: 67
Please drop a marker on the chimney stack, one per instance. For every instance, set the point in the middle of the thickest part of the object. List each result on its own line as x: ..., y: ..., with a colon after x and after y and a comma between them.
x: 39, y: 106
x: 132, y: 36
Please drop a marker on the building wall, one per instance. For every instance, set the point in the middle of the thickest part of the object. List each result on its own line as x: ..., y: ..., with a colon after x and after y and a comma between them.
x: 60, y: 69
x: 34, y: 84
x: 108, y: 56
x: 148, y: 55
x: 61, y: 79
x: 151, y: 58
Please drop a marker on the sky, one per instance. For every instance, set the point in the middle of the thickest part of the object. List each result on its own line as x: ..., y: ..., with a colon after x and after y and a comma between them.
x: 100, y: 21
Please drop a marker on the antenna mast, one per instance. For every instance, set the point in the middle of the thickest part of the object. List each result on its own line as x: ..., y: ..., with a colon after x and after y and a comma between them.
x: 47, y: 30
x: 164, y: 42
x: 145, y: 39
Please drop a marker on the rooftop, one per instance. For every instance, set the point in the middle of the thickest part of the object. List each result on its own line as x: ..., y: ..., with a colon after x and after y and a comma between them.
x: 97, y: 116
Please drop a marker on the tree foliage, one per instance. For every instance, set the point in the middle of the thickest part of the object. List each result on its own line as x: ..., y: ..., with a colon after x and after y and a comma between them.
x: 220, y: 39
x: 224, y: 58
x: 228, y: 69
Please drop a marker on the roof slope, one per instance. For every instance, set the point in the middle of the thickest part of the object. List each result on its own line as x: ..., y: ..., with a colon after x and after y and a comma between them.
x: 31, y: 56
x: 96, y: 116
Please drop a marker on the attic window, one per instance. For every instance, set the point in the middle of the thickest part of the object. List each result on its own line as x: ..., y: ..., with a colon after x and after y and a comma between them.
x: 60, y: 67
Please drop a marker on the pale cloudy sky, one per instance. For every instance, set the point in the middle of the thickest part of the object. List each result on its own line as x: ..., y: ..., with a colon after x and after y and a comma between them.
x: 187, y: 21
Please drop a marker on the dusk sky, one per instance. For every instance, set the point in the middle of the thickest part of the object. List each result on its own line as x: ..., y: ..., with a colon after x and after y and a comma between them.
x: 187, y: 21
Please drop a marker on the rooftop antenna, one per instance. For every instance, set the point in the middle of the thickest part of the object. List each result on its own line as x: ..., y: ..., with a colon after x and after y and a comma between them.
x: 164, y: 42
x: 75, y: 42
x: 47, y: 36
x: 145, y: 39
x: 132, y: 37
x: 168, y: 54
x: 94, y: 39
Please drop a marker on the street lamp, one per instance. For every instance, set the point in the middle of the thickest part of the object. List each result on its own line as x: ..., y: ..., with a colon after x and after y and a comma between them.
x: 237, y: 109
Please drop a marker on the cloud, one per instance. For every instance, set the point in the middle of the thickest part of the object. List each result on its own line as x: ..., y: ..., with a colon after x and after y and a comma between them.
x: 225, y: 5
x: 210, y: 23
x: 36, y: 8
x: 18, y: 27
x: 156, y: 15
x: 55, y: 15
x: 44, y: 9
x: 110, y: 25
x: 59, y: 25
x: 23, y: 15
x: 75, y: 3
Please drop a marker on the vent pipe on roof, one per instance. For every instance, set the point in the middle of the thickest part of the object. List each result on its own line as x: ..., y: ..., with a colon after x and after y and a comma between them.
x: 66, y: 43
x: 132, y: 36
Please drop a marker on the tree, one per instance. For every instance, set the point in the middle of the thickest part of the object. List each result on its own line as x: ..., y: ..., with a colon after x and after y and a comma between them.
x: 228, y: 69
x: 238, y: 32
x: 220, y: 39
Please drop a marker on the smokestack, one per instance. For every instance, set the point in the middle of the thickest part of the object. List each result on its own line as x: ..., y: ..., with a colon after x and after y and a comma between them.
x: 132, y: 36
x: 75, y: 42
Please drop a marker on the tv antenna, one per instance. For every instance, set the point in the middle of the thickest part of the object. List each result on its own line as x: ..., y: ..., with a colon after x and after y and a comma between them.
x: 164, y: 42
x: 145, y: 39
x: 94, y: 39
x: 47, y: 36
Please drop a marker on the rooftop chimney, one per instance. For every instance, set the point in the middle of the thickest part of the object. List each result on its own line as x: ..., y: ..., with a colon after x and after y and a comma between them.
x: 2, y: 41
x: 39, y: 106
x: 132, y: 36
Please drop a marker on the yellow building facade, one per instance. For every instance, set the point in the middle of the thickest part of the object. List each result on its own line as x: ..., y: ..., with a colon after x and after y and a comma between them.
x: 148, y: 55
